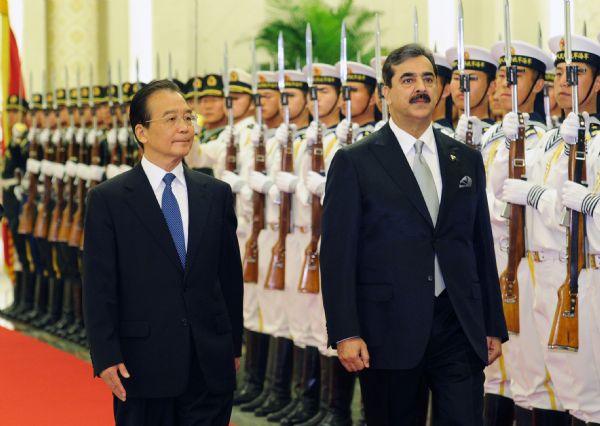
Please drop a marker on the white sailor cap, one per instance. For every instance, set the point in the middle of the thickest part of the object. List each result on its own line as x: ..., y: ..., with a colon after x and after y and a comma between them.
x: 240, y: 81
x: 524, y: 55
x: 443, y: 67
x: 324, y: 74
x: 583, y: 49
x: 374, y: 65
x: 295, y: 79
x: 267, y: 80
x: 359, y: 73
x: 476, y: 58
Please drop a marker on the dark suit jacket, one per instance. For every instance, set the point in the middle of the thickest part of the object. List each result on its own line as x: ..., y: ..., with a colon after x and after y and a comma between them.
x: 378, y: 247
x: 141, y: 307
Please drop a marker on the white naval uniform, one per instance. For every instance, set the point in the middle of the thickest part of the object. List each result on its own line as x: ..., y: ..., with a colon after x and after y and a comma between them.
x: 531, y: 385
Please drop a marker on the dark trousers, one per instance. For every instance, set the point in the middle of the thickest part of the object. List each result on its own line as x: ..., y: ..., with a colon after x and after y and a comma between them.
x: 195, y: 407
x: 450, y: 368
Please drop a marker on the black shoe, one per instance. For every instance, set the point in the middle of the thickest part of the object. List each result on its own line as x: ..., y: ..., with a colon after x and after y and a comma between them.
x: 304, y: 410
x: 248, y: 393
x: 255, y: 403
x: 316, y: 419
x: 277, y: 416
x: 336, y: 419
x: 271, y: 405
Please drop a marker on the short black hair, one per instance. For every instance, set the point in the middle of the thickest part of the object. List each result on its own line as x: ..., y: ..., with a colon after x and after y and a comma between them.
x: 401, y: 54
x: 138, y: 111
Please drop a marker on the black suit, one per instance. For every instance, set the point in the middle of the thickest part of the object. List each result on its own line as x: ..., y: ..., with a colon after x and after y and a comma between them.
x: 141, y: 307
x: 378, y: 248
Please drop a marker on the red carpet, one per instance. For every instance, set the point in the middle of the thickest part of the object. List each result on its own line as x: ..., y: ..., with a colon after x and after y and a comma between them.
x: 41, y: 385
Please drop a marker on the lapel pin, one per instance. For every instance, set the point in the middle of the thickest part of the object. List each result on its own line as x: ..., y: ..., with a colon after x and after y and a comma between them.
x: 452, y: 157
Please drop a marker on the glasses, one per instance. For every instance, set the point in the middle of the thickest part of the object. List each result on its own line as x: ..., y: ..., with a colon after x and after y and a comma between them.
x: 172, y: 120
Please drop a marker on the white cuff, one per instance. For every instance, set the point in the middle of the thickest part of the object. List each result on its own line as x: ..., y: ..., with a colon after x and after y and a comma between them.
x: 47, y: 168
x: 112, y: 170
x: 82, y: 171
x: 59, y: 170
x: 71, y: 168
x: 33, y: 166
x: 96, y: 173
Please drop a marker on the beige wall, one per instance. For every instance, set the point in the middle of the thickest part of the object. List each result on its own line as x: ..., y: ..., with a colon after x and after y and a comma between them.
x: 72, y: 33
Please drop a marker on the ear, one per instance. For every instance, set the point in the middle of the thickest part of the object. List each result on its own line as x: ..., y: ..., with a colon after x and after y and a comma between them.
x: 141, y: 133
x: 491, y: 88
x: 446, y: 91
x: 597, y: 84
x: 538, y: 86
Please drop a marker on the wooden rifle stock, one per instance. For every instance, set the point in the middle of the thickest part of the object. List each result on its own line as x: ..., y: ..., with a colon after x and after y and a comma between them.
x: 509, y: 283
x: 42, y: 220
x: 76, y: 231
x: 66, y: 221
x: 310, y: 279
x: 95, y: 160
x: 27, y: 216
x: 564, y: 333
x: 276, y: 272
x: 55, y: 221
x: 250, y: 262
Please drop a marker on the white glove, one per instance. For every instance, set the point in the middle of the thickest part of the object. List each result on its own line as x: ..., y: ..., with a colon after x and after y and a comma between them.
x: 515, y: 191
x: 281, y: 134
x: 71, y: 168
x: 123, y: 135
x: 83, y: 171
x: 95, y: 173
x: 573, y: 194
x: 56, y: 136
x: 226, y: 135
x: 69, y: 133
x: 379, y: 125
x: 111, y: 138
x: 341, y: 131
x: 124, y: 168
x: 259, y: 182
x: 45, y: 136
x: 33, y: 166
x: 315, y: 183
x: 274, y: 194
x: 311, y: 133
x: 112, y: 170
x: 256, y: 133
x: 91, y: 137
x: 234, y: 180
x: 286, y: 181
x: 569, y: 129
x: 32, y: 133
x: 47, y: 168
x: 510, y: 125
x: 463, y: 124
x: 80, y: 136
x: 18, y: 130
x: 59, y: 171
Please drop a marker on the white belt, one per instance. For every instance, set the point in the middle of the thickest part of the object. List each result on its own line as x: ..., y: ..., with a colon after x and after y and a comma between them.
x: 548, y: 255
x: 594, y: 261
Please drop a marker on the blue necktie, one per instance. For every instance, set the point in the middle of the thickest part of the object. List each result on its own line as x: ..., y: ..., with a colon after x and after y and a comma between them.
x: 172, y: 215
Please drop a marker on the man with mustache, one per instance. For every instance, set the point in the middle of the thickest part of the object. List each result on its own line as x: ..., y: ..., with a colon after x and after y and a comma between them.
x: 409, y: 279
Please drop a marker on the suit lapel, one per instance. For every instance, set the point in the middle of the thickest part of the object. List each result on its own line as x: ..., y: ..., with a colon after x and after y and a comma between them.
x: 199, y: 207
x: 450, y: 171
x: 143, y: 202
x: 389, y: 153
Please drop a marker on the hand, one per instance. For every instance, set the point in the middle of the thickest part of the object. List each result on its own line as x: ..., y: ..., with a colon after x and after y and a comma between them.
x: 91, y: 137
x: 226, y: 135
x: 353, y: 354
x: 256, y: 133
x: 259, y: 182
x: 315, y: 183
x: 111, y: 138
x: 510, y: 125
x: 45, y: 136
x: 463, y: 124
x: 379, y: 125
x: 286, y: 181
x: 515, y: 191
x: 113, y: 381
x: 341, y: 131
x: 573, y: 195
x: 281, y: 134
x: 569, y: 129
x: 494, y: 346
x: 312, y: 132
x: 234, y: 180
x: 236, y: 363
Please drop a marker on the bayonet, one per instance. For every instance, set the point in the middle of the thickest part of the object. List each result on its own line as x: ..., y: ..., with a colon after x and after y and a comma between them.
x: 157, y: 66
x: 309, y: 73
x: 255, y: 87
x: 378, y: 70
x: 344, y: 74
x: 572, y: 71
x: 91, y: 100
x: 465, y: 79
x: 170, y: 67
x: 226, y: 89
x: 539, y: 38
x: 511, y: 71
x: 281, y: 78
x: 415, y: 26
x: 69, y: 99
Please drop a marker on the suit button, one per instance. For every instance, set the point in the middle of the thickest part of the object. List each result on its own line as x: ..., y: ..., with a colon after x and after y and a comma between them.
x: 430, y: 278
x: 184, y: 322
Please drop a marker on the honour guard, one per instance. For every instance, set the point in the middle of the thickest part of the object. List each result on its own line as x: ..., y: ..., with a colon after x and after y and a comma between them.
x: 442, y: 115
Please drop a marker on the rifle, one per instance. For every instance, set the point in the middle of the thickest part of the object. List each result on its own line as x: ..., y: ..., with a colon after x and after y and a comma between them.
x: 74, y: 152
x: 27, y: 216
x: 564, y: 333
x: 276, y: 272
x: 378, y: 71
x: 509, y: 283
x: 465, y: 79
x: 42, y: 220
x: 250, y: 262
x: 231, y: 150
x: 346, y: 90
x: 310, y: 279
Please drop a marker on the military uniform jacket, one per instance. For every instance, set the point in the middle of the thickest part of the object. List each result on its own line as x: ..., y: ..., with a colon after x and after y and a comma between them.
x: 141, y: 306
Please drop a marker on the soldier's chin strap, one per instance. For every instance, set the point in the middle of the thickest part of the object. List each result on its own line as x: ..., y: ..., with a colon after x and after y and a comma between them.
x: 589, y: 92
x: 366, y: 106
x: 537, y: 77
x: 484, y: 95
x: 441, y: 97
x: 301, y: 111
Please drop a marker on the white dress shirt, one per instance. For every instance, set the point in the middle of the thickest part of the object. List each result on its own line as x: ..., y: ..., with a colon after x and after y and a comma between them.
x: 155, y: 176
x: 407, y: 143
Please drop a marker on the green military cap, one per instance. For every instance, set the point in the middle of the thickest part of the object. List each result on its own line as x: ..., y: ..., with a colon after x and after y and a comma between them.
x: 85, y: 94
x: 16, y: 103
x: 61, y: 97
x: 113, y: 92
x: 49, y: 100
x: 212, y: 85
x: 73, y: 96
x: 136, y: 87
x: 36, y: 101
x: 193, y: 87
x: 100, y: 94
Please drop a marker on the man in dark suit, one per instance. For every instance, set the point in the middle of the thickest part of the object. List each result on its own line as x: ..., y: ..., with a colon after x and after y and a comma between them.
x: 409, y: 278
x: 162, y: 277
